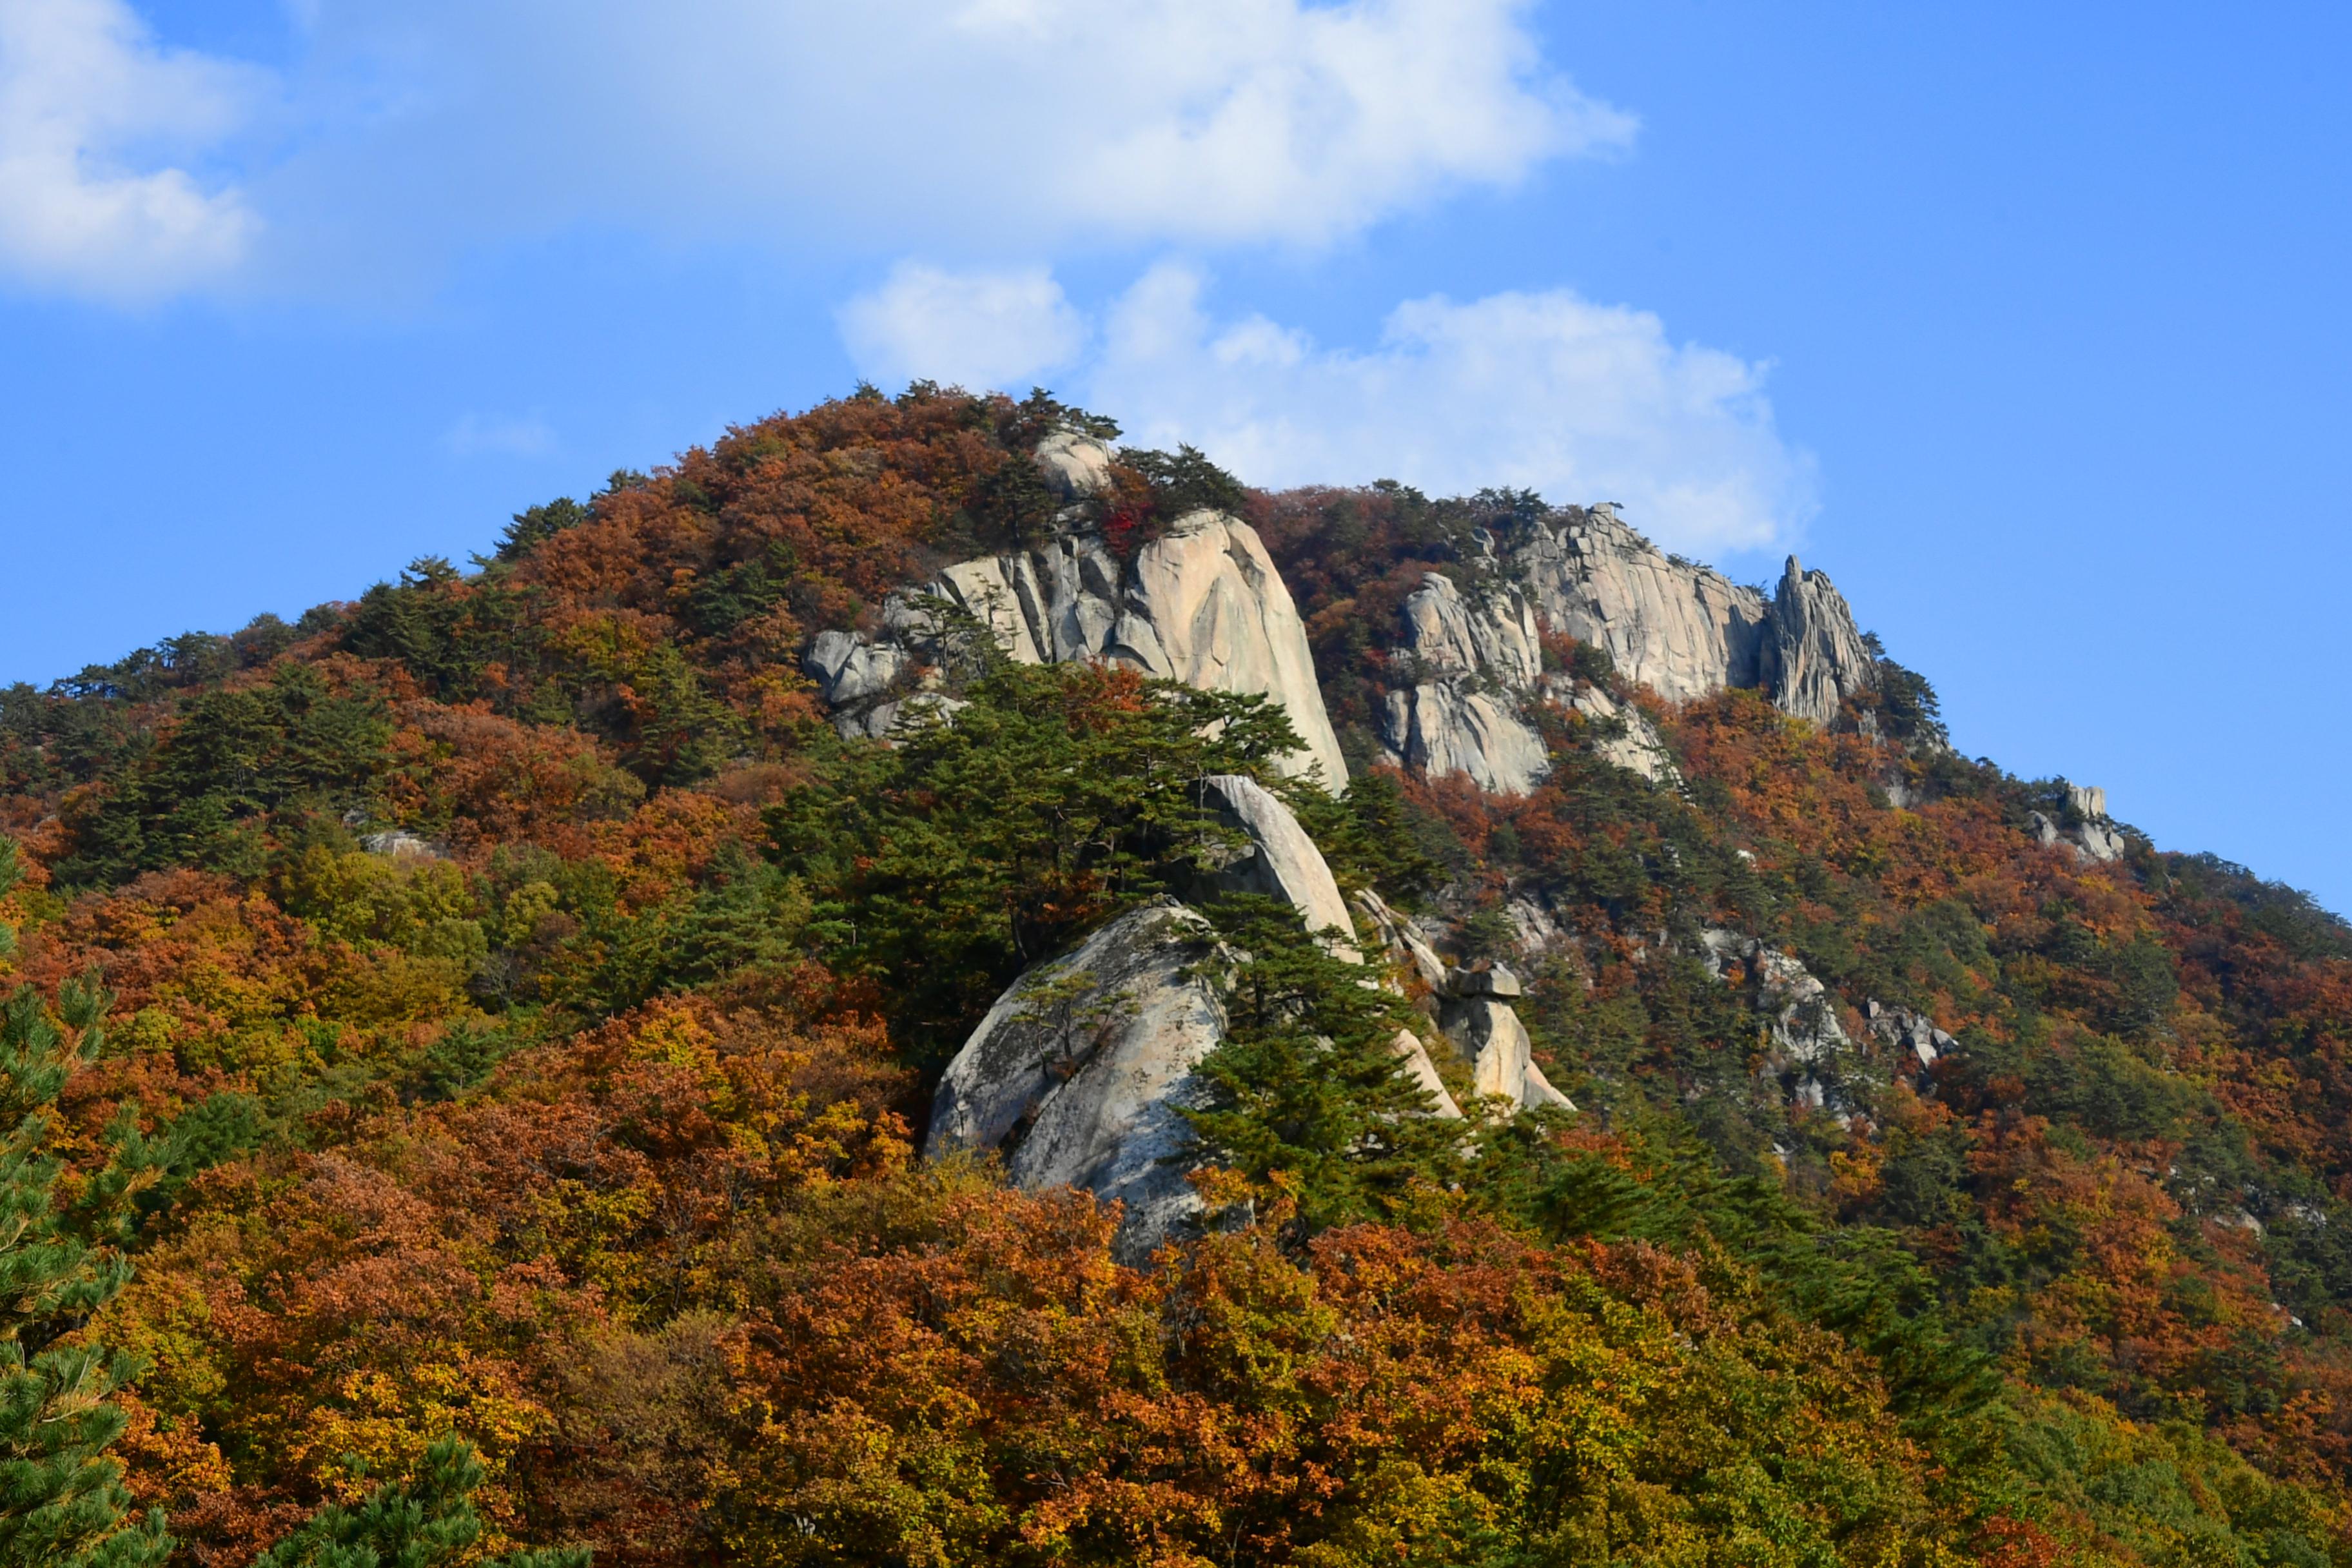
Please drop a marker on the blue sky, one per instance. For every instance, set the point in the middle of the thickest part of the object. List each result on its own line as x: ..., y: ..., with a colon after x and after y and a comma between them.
x: 2026, y: 323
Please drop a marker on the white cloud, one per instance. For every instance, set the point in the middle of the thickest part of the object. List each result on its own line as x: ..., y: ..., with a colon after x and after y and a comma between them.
x: 1002, y: 127
x: 968, y: 329
x: 412, y: 130
x: 95, y: 120
x: 478, y: 435
x: 1538, y: 391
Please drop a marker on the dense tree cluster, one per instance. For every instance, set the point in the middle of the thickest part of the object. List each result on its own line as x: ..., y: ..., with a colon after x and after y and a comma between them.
x: 467, y: 1050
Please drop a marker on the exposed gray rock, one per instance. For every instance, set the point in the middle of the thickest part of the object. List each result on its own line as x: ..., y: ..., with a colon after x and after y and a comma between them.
x: 399, y: 844
x: 1537, y: 930
x: 1813, y: 658
x: 1080, y: 1075
x: 849, y: 669
x: 1494, y: 1045
x: 1631, y: 741
x: 1685, y: 630
x: 1077, y: 466
x: 1444, y: 728
x: 1080, y: 1072
x: 1493, y: 637
x: 1799, y: 1015
x: 1201, y: 605
x: 1405, y: 944
x: 1423, y: 1072
x: 1902, y: 1027
x: 1282, y: 862
x: 2094, y: 835
x: 1493, y: 981
x: 1470, y: 665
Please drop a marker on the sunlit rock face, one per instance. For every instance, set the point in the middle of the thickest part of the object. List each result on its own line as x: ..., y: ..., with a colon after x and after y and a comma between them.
x: 1202, y: 604
x: 1080, y: 1075
x: 1466, y: 661
x: 1687, y: 630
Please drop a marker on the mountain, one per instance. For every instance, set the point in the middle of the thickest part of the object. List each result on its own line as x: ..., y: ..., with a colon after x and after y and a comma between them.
x: 922, y: 986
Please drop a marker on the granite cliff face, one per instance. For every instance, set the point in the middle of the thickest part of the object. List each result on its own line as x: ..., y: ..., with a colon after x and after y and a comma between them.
x: 1468, y: 665
x: 1202, y: 604
x: 1685, y: 630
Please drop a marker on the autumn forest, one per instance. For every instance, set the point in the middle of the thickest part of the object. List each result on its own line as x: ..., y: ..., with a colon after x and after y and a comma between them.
x: 470, y: 1055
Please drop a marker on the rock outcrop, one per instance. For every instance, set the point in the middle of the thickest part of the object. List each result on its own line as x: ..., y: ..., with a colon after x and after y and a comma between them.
x: 1441, y: 728
x: 1806, y: 1041
x: 1473, y: 1009
x: 1624, y: 737
x: 1202, y: 605
x: 1685, y: 630
x: 1485, y: 1027
x: 1467, y: 664
x: 1465, y: 670
x: 2082, y: 825
x: 1282, y: 862
x: 1916, y: 1032
x: 1402, y: 941
x: 1681, y: 629
x: 1080, y: 1073
x: 1812, y: 657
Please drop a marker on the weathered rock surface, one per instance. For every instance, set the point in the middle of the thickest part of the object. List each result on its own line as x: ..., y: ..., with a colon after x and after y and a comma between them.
x: 1441, y: 728
x: 1625, y: 738
x: 1494, y: 637
x: 1903, y: 1027
x: 1423, y: 1072
x: 1494, y: 1045
x: 1468, y: 668
x: 1282, y: 862
x: 1468, y: 665
x: 1077, y: 466
x: 1080, y: 1072
x: 1799, y: 1013
x: 1406, y: 946
x: 1681, y: 629
x: 1080, y: 1075
x: 1202, y: 605
x: 2093, y: 835
x: 1814, y: 657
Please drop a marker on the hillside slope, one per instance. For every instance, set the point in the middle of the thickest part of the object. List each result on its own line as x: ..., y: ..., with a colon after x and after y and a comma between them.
x: 531, y: 987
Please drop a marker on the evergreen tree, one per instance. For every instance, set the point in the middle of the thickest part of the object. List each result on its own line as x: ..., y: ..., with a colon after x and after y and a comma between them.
x: 62, y: 1502
x: 1306, y: 1084
x: 423, y: 1524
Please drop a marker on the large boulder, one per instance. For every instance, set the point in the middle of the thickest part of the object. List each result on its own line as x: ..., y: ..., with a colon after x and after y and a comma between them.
x: 1080, y: 1073
x: 1494, y: 1045
x: 1077, y: 466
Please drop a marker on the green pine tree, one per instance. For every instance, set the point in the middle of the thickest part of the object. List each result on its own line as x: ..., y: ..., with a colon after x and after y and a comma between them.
x: 423, y: 1524
x: 62, y: 1501
x: 1308, y: 1083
